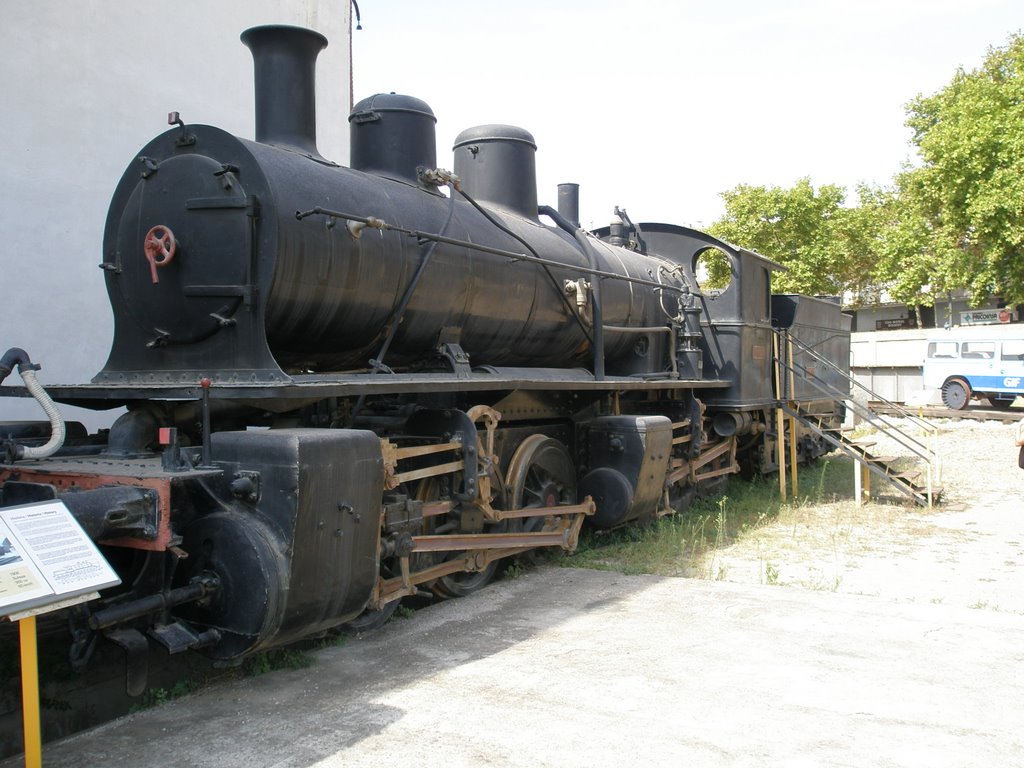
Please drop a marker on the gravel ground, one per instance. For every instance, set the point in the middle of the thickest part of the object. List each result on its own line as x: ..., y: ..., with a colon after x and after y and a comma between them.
x: 968, y: 551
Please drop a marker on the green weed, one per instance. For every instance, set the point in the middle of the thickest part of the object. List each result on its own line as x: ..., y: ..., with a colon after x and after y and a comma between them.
x: 404, y: 612
x: 155, y: 697
x: 688, y: 543
x: 278, y: 658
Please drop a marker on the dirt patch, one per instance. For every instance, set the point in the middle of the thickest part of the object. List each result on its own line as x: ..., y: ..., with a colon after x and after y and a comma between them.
x: 968, y: 551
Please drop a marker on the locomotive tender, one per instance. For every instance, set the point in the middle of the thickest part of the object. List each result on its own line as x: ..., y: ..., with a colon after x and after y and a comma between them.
x: 347, y: 385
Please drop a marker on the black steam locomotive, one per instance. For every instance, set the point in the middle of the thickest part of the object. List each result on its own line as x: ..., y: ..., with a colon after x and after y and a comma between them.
x: 344, y: 386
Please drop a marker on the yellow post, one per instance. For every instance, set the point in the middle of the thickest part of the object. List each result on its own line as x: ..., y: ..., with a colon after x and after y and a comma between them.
x: 858, y: 490
x: 30, y: 693
x: 780, y: 446
x: 780, y: 443
x: 792, y: 456
x: 792, y: 422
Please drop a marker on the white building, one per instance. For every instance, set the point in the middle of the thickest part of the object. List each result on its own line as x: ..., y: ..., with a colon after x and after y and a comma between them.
x: 83, y: 86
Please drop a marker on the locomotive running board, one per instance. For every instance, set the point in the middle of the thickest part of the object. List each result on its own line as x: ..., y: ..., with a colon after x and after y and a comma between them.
x: 306, y: 389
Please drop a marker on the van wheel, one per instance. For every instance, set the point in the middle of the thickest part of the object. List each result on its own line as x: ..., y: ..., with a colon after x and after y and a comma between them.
x: 956, y: 394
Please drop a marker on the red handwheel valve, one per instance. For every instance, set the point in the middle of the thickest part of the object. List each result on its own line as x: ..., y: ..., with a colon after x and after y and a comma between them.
x: 159, y: 246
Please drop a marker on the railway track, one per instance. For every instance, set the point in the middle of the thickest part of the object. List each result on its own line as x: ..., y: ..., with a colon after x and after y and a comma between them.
x: 972, y: 413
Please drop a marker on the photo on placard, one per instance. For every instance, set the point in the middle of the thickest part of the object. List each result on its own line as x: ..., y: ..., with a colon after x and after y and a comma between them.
x: 8, y: 552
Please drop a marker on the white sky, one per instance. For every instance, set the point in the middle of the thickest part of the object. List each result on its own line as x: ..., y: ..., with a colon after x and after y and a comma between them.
x: 659, y: 105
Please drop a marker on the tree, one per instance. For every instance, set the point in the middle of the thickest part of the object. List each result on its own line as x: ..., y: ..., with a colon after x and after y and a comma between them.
x: 824, y: 246
x: 954, y: 222
x: 960, y: 214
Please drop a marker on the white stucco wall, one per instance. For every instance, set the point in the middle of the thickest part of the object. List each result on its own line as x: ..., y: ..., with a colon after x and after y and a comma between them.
x: 83, y: 86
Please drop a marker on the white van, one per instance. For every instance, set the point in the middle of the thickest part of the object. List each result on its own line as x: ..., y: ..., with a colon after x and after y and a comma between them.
x: 987, y: 362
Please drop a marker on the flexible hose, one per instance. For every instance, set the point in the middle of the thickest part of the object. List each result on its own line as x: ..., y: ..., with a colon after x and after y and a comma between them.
x: 12, y: 357
x: 15, y: 356
x: 56, y: 422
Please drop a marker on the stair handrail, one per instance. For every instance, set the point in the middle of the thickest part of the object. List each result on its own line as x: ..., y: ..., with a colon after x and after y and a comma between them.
x: 926, y: 453
x: 904, y: 439
x: 862, y: 458
x: 866, y: 413
x: 901, y: 411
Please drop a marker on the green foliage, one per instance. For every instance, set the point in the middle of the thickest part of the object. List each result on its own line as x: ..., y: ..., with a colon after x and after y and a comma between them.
x: 825, y: 247
x: 678, y: 545
x: 514, y: 570
x: 953, y: 222
x: 155, y: 697
x: 965, y: 203
x: 404, y: 612
x: 278, y: 658
x: 687, y: 544
x: 334, y: 638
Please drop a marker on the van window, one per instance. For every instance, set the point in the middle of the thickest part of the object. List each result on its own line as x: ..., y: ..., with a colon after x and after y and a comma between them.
x: 978, y: 350
x: 942, y: 349
x: 1013, y: 350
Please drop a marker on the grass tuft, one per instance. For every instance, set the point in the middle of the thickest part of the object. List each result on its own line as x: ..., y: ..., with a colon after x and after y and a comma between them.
x: 689, y: 543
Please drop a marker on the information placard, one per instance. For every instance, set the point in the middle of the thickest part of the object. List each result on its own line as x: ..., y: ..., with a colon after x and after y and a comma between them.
x: 45, y: 557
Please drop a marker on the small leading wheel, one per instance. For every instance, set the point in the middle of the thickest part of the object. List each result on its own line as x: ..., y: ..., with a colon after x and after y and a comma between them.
x: 540, y: 474
x: 956, y: 394
x: 370, y: 620
x: 464, y: 583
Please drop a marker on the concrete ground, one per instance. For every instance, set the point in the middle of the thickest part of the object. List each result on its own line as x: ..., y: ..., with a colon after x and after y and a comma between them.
x: 565, y: 667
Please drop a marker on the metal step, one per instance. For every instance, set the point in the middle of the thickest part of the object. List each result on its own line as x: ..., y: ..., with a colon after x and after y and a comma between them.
x: 905, y: 481
x: 910, y: 474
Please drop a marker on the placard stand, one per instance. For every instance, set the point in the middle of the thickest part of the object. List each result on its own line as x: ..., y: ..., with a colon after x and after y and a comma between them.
x: 30, y: 716
x: 47, y: 562
x: 30, y: 711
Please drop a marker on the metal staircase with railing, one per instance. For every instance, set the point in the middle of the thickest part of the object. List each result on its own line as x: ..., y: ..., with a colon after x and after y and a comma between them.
x: 799, y: 360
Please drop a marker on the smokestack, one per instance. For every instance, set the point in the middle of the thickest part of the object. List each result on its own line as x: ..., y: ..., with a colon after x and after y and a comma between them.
x: 569, y: 202
x: 284, y: 60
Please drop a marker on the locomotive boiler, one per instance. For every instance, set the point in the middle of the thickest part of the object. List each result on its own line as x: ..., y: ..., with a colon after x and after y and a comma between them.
x: 348, y: 385
x: 247, y: 261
